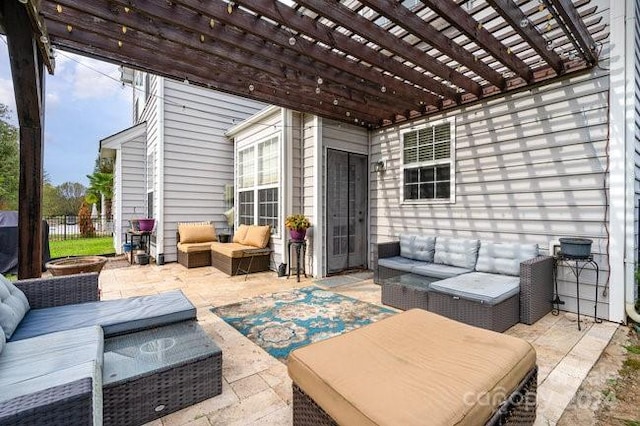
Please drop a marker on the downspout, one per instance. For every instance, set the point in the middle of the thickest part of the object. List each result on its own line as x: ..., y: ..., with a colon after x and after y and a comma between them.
x: 630, y: 237
x: 160, y: 229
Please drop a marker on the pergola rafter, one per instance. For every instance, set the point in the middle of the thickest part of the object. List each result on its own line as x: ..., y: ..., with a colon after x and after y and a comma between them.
x: 149, y: 34
x: 378, y: 60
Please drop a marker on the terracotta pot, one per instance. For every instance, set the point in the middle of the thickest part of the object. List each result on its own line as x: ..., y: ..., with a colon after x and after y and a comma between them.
x: 297, y: 234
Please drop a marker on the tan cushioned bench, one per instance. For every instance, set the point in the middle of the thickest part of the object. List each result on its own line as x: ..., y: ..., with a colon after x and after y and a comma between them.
x: 413, y: 368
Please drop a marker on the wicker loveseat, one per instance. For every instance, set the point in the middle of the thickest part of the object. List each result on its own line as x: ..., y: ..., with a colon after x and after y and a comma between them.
x: 53, y: 335
x: 483, y: 283
x: 194, y: 243
x: 248, y: 253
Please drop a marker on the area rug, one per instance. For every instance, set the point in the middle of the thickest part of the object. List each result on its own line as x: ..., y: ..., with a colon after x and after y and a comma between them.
x: 282, y: 322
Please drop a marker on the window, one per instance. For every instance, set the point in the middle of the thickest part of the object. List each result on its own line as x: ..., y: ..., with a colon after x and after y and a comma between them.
x: 258, y: 184
x: 428, y: 164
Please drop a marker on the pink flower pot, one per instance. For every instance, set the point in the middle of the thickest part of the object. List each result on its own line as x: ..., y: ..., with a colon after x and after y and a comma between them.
x: 297, y: 234
x: 146, y: 225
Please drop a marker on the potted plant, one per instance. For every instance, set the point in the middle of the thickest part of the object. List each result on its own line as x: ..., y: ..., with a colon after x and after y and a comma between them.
x: 297, y: 224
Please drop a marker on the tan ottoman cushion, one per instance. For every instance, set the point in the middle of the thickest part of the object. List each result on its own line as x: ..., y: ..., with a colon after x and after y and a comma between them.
x: 194, y: 247
x: 230, y: 249
x: 414, y: 368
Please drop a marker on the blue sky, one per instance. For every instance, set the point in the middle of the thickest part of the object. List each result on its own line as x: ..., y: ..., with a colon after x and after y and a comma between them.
x: 82, y: 107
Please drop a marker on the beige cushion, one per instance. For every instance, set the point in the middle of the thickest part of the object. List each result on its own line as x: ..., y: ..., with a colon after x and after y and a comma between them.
x: 412, y: 368
x: 230, y: 249
x: 194, y: 247
x: 197, y: 233
x: 258, y: 236
x: 240, y: 234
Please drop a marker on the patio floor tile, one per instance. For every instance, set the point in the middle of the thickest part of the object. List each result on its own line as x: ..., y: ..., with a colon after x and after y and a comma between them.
x: 257, y: 388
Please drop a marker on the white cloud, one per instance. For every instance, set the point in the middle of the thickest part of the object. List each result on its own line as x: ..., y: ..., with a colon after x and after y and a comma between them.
x: 7, y: 96
x: 53, y: 98
x: 90, y: 78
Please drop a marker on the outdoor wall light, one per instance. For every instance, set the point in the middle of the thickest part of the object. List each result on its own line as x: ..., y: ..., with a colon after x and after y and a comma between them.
x: 379, y: 166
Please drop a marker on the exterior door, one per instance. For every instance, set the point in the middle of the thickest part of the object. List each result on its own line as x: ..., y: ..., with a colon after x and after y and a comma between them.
x: 346, y: 201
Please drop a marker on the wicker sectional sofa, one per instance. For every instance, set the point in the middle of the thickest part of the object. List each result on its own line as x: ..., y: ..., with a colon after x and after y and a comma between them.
x: 53, y: 336
x: 483, y: 283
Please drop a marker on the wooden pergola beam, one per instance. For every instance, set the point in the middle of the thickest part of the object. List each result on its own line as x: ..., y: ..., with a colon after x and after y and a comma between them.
x: 40, y: 33
x: 514, y: 17
x: 198, y: 48
x: 242, y: 45
x: 577, y: 29
x: 27, y: 70
x: 245, y: 21
x: 352, y: 21
x: 461, y: 20
x: 220, y: 74
x: 408, y: 20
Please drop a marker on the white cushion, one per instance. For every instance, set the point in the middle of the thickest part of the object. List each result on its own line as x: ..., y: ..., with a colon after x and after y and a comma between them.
x: 13, y: 306
x: 504, y: 258
x: 456, y: 252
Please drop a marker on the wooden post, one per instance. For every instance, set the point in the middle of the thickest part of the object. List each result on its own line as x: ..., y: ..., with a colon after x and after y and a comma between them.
x: 27, y: 70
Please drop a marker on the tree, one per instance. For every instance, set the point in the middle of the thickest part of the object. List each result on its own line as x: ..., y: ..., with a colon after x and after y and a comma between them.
x: 84, y: 221
x: 71, y: 197
x: 100, y: 183
x: 10, y: 163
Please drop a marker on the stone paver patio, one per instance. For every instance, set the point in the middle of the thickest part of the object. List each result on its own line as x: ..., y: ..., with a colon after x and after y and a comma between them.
x: 256, y: 387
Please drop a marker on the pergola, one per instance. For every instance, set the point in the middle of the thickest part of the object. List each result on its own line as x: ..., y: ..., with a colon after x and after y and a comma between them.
x: 371, y: 63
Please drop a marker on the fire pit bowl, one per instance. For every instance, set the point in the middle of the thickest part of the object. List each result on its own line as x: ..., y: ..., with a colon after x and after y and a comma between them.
x: 76, y: 265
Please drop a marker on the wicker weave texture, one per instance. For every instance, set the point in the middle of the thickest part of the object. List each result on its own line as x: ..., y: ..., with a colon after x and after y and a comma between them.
x: 385, y: 250
x: 536, y: 288
x: 152, y: 396
x: 194, y: 259
x: 58, y: 291
x: 68, y: 404
x: 404, y: 297
x: 498, y: 317
x: 519, y: 409
x: 229, y: 265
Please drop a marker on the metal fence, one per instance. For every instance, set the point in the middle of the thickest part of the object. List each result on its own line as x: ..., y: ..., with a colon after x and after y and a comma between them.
x: 67, y: 227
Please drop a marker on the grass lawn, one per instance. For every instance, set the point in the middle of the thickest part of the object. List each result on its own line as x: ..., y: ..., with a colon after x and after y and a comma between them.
x: 82, y: 247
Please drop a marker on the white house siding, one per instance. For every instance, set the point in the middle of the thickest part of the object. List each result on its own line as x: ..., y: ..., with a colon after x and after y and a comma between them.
x: 297, y: 154
x: 198, y: 158
x: 308, y: 180
x: 530, y: 168
x: 636, y: 71
x: 128, y: 149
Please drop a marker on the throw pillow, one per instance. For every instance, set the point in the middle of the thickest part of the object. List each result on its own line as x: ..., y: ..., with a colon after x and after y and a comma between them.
x: 240, y: 234
x: 258, y: 236
x: 13, y: 306
x: 200, y: 233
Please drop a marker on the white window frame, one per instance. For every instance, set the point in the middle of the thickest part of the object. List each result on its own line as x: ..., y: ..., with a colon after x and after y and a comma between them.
x: 451, y: 161
x: 151, y: 181
x: 257, y: 186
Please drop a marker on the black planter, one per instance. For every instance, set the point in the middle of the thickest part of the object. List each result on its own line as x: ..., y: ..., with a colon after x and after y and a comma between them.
x: 575, y: 248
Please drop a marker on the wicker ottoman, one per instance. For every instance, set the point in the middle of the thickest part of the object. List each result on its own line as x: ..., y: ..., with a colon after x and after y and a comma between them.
x: 415, y: 368
x: 155, y: 372
x: 485, y: 300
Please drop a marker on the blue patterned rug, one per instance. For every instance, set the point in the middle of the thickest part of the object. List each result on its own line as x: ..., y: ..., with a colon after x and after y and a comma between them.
x: 282, y: 322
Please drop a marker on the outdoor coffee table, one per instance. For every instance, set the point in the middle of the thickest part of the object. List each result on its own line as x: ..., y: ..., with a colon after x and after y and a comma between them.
x: 406, y: 291
x: 152, y: 373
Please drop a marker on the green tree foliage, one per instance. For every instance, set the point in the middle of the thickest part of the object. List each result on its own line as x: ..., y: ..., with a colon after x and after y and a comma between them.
x: 65, y: 199
x: 9, y: 163
x: 101, y: 183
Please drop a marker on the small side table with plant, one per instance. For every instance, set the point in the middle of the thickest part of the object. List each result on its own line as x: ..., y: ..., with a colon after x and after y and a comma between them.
x: 297, y: 225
